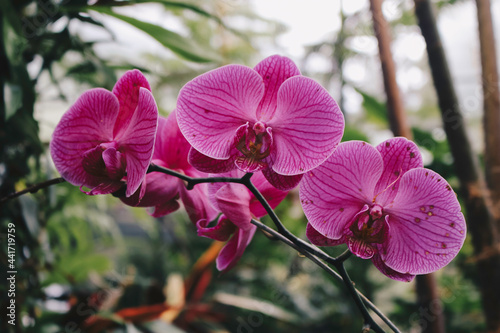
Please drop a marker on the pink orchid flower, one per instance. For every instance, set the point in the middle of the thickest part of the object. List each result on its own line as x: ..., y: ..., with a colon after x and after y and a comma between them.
x: 238, y: 207
x: 164, y: 191
x: 385, y: 206
x: 108, y: 137
x: 268, y: 119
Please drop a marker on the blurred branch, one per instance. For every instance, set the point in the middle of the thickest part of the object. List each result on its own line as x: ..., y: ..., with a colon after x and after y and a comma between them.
x: 32, y: 189
x: 477, y: 202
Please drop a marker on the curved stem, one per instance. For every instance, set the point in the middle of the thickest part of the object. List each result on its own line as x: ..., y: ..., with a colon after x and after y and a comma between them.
x: 344, y: 256
x: 282, y: 229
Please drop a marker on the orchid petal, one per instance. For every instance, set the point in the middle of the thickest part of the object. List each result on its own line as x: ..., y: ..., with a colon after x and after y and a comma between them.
x: 170, y: 146
x: 399, y: 155
x: 211, y: 107
x: 196, y: 203
x: 164, y: 208
x: 360, y: 248
x: 427, y: 227
x: 233, y: 250
x: 389, y: 272
x: 213, y: 188
x: 249, y: 164
x: 207, y: 164
x: 333, y: 193
x: 272, y: 195
x: 160, y: 189
x: 94, y: 166
x: 307, y: 126
x: 274, y: 70
x: 115, y: 164
x: 139, y: 139
x: 319, y: 240
x: 107, y: 187
x: 127, y: 91
x: 88, y: 123
x: 233, y: 201
x: 220, y: 232
x: 283, y: 183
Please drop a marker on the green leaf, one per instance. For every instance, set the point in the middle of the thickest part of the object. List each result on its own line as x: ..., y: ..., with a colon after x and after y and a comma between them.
x: 183, y: 5
x: 351, y: 133
x: 13, y: 99
x: 171, y: 40
x: 376, y: 111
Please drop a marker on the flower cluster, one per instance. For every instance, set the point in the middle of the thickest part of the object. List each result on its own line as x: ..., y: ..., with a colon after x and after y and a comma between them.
x: 285, y: 129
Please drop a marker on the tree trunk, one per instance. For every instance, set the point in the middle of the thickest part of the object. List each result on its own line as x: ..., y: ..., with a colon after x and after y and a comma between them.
x: 491, y: 103
x: 431, y: 321
x: 476, y: 198
x: 395, y: 108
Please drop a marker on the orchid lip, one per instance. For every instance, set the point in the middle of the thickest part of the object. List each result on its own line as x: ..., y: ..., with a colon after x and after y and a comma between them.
x: 255, y: 145
x: 368, y: 228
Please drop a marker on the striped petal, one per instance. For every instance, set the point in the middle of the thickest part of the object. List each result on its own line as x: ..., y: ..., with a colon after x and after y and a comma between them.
x: 333, y: 193
x: 274, y: 71
x: 399, y: 155
x: 211, y: 108
x: 127, y: 91
x: 207, y: 164
x: 389, y: 272
x: 307, y: 126
x: 283, y: 183
x: 427, y: 227
x: 88, y: 123
x: 138, y: 140
x: 319, y: 240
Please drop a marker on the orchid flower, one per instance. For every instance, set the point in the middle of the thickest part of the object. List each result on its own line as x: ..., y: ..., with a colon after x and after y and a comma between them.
x: 164, y: 191
x: 238, y: 207
x: 106, y: 138
x: 385, y: 206
x: 268, y: 119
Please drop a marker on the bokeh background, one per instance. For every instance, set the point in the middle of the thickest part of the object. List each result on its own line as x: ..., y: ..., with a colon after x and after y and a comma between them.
x: 91, y: 264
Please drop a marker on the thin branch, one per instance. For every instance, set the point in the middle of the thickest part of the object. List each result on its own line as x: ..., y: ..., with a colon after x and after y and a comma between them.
x: 281, y: 228
x: 357, y: 299
x: 32, y: 189
x: 328, y: 270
